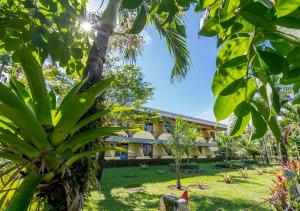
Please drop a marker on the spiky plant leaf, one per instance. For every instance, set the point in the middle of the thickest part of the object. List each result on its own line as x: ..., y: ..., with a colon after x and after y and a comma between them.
x: 24, y: 194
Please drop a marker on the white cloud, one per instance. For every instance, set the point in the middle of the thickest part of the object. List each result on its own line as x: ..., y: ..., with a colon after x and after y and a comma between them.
x: 209, y: 115
x: 147, y: 38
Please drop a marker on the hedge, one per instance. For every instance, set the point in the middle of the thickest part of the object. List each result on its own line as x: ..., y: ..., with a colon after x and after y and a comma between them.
x: 123, y: 163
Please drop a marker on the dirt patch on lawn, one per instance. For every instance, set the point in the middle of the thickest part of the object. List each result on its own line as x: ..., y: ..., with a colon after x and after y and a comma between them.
x: 200, y: 186
x: 173, y: 187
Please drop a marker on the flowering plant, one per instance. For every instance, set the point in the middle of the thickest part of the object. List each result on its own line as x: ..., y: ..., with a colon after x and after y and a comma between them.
x: 285, y: 193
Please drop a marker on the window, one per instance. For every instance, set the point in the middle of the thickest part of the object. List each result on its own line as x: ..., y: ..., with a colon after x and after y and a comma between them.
x: 148, y: 127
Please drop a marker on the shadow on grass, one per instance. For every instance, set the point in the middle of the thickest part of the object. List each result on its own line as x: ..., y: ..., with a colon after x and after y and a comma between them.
x: 146, y: 201
x: 118, y: 178
x: 207, y: 203
x: 122, y: 189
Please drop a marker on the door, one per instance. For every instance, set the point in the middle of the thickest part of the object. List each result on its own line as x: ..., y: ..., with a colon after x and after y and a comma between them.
x: 147, y: 150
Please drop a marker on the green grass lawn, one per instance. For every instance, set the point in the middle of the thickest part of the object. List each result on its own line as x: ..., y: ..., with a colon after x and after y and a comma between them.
x: 143, y: 191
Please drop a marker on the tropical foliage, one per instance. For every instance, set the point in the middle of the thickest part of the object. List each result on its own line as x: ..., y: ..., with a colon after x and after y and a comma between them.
x: 256, y: 40
x: 285, y: 192
x: 182, y: 138
x: 41, y: 139
x: 36, y: 33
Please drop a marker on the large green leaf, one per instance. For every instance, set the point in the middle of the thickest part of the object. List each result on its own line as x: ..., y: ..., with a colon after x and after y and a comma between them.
x: 257, y: 14
x: 232, y: 96
x: 285, y: 7
x: 269, y: 118
x: 240, y: 120
x: 296, y: 87
x: 266, y: 90
x: 203, y: 4
x: 37, y: 86
x: 259, y: 124
x: 139, y: 22
x: 283, y: 47
x: 288, y: 28
x: 293, y: 76
x: 131, y: 4
x: 183, y: 3
x: 210, y: 27
x: 296, y: 100
x: 228, y: 10
x: 293, y: 56
x: 272, y: 63
x: 225, y: 76
x: 78, y: 106
x: 232, y: 49
x: 24, y: 193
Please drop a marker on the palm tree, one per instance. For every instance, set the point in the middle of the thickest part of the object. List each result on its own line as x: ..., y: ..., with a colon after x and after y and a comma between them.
x: 29, y: 116
x: 179, y: 131
x: 225, y: 144
x: 167, y: 20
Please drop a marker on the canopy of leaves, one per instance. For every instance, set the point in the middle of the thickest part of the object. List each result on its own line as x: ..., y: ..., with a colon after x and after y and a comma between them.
x: 257, y: 40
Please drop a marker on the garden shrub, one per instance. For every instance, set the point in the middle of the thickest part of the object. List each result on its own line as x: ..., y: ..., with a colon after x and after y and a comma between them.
x: 244, y: 173
x: 189, y: 166
x: 123, y: 163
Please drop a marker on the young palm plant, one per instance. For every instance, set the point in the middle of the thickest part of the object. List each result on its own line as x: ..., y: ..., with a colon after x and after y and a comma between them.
x: 39, y: 142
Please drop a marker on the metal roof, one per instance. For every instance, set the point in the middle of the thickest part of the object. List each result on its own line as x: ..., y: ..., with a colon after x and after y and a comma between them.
x: 149, y: 141
x: 208, y: 144
x: 129, y: 140
x: 187, y: 118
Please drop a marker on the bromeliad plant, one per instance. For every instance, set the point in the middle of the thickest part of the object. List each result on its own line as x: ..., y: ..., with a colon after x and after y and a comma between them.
x: 39, y: 142
x: 285, y: 193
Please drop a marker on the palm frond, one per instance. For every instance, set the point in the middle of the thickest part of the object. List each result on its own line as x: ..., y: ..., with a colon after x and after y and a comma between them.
x: 177, y: 47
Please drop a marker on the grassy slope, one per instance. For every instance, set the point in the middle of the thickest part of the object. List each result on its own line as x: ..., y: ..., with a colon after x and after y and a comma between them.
x: 144, y: 190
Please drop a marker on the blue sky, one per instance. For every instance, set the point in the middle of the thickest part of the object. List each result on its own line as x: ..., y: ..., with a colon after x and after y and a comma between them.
x: 192, y: 96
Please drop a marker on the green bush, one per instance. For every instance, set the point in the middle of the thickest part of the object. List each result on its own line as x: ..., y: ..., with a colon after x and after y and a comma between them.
x: 123, y: 163
x: 238, y: 164
x: 189, y: 166
x: 228, y: 164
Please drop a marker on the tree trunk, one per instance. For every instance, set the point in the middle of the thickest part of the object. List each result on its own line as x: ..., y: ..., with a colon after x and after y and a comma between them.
x: 55, y: 196
x: 266, y: 155
x: 226, y: 154
x: 101, y: 163
x: 283, y: 152
x: 178, y: 184
x: 283, y: 147
x: 94, y: 72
